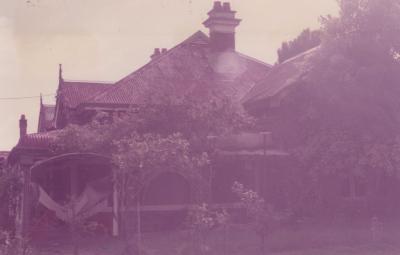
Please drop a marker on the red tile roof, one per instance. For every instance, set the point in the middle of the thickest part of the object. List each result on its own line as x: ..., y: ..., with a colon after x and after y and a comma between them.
x: 184, y: 69
x: 4, y: 154
x: 74, y: 93
x: 36, y: 140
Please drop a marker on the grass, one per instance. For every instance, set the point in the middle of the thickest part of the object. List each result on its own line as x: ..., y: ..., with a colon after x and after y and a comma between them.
x: 308, y: 240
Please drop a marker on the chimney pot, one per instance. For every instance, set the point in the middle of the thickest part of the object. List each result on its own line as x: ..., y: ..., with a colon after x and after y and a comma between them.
x: 164, y: 50
x: 156, y: 53
x: 217, y: 5
x: 222, y: 23
x: 23, y: 125
x: 227, y: 6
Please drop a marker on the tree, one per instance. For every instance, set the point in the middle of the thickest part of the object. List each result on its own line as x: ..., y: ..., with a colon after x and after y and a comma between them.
x: 10, y: 194
x: 263, y: 218
x: 345, y: 108
x: 307, y: 39
x: 202, y: 220
x: 366, y: 31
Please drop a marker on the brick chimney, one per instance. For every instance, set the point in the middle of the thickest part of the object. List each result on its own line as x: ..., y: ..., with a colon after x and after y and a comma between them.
x: 222, y: 24
x: 23, y: 125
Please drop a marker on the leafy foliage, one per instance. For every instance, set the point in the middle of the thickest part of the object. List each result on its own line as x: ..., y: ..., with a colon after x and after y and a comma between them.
x: 263, y: 217
x: 141, y: 157
x: 151, y: 137
x: 192, y: 117
x: 366, y: 31
x: 341, y: 118
x: 11, y: 245
x: 307, y: 39
x: 165, y: 133
x: 202, y: 220
x: 10, y: 189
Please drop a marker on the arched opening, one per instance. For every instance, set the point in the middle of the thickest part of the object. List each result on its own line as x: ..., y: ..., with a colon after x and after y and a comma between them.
x: 70, y: 187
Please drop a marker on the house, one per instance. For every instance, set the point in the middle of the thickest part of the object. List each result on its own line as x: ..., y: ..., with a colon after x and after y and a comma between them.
x: 198, y: 62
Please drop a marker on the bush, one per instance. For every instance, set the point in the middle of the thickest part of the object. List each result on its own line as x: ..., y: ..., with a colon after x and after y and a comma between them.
x: 10, y: 188
x: 11, y: 245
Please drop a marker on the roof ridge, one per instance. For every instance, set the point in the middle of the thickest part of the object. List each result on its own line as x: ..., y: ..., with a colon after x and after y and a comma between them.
x: 299, y: 55
x: 253, y: 59
x: 193, y: 36
x: 89, y: 82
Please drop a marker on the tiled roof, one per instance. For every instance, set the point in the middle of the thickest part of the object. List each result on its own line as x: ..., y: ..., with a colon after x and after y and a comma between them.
x: 74, y: 93
x: 187, y: 68
x: 46, y: 117
x: 182, y: 69
x: 4, y: 154
x: 3, y: 157
x: 280, y: 77
x: 36, y: 140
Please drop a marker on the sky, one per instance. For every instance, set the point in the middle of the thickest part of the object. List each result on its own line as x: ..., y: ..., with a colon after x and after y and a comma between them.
x: 105, y: 40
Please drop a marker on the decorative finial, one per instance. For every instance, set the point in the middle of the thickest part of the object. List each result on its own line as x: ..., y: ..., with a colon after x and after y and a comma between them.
x: 60, y: 72
x: 217, y: 5
x: 41, y: 99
